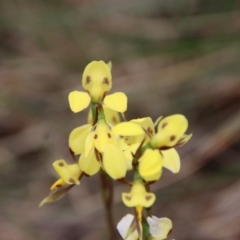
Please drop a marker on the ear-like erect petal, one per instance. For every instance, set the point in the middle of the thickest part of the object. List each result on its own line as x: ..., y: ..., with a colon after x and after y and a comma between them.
x: 116, y: 101
x: 78, y: 100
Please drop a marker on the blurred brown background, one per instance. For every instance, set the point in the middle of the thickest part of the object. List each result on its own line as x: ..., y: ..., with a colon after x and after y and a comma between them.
x: 168, y: 56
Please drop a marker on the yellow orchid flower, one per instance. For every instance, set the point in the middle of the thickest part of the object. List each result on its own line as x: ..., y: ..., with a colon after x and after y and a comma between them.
x: 160, y: 140
x: 69, y: 173
x: 97, y: 81
x: 159, y: 227
x: 90, y: 164
x: 171, y: 130
x: 150, y: 165
x: 103, y: 139
x: 138, y: 196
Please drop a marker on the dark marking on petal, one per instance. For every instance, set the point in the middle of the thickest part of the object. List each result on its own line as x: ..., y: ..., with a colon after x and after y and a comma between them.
x: 128, y: 198
x: 88, y: 79
x: 58, y: 185
x: 105, y: 81
x: 164, y: 125
x: 150, y: 131
x: 71, y: 181
x: 95, y: 136
x: 172, y: 138
x: 61, y: 164
x: 114, y: 120
x: 109, y: 135
x: 149, y: 197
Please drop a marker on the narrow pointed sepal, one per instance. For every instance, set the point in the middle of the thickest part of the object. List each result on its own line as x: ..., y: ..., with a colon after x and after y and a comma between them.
x: 56, y: 194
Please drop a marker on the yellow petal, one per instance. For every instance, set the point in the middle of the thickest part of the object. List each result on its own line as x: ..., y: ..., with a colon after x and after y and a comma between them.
x: 116, y: 101
x: 112, y: 117
x: 127, y: 129
x: 78, y: 101
x: 171, y: 160
x: 138, y: 196
x: 148, y: 127
x: 59, y: 183
x: 97, y: 80
x: 78, y: 137
x: 146, y: 124
x: 70, y: 173
x: 102, y: 136
x: 129, y: 140
x: 114, y: 162
x: 89, y: 165
x: 170, y: 130
x: 150, y: 165
x: 88, y: 144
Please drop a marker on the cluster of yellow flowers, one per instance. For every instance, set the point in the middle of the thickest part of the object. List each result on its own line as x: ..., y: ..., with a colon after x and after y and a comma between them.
x: 108, y: 144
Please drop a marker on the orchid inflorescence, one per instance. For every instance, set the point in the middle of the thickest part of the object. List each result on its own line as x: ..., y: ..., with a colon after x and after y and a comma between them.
x: 113, y: 146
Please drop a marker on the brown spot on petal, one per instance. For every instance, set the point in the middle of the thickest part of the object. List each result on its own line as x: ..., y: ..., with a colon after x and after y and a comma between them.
x: 109, y: 135
x: 95, y: 136
x: 58, y: 185
x: 114, y: 120
x: 71, y: 181
x: 105, y: 81
x: 128, y: 198
x: 150, y: 131
x: 164, y: 125
x: 88, y: 79
x: 61, y: 164
x: 148, y: 197
x: 172, y: 138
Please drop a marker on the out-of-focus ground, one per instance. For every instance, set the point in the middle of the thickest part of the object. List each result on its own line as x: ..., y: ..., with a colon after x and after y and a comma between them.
x: 168, y: 57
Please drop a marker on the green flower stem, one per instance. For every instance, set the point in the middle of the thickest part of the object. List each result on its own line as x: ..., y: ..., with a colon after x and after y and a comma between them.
x: 145, y: 147
x: 107, y: 195
x: 146, y: 232
x: 94, y: 112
